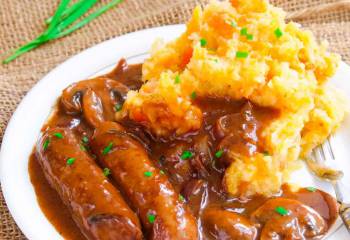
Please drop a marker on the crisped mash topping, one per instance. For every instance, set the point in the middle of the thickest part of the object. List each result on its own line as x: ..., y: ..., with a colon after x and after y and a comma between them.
x: 243, y: 50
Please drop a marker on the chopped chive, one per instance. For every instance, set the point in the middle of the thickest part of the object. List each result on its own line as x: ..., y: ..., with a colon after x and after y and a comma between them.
x: 278, y: 33
x: 58, y: 135
x: 281, y: 211
x: 107, y: 149
x: 186, y: 155
x: 249, y: 36
x: 83, y: 148
x: 151, y: 217
x: 241, y: 54
x: 148, y: 174
x: 70, y: 161
x: 118, y: 107
x: 106, y: 172
x: 215, y: 60
x: 85, y: 139
x: 203, y: 42
x: 181, y: 198
x: 219, y: 153
x: 311, y: 189
x: 162, y: 172
x: 46, y: 144
x: 266, y: 153
x: 244, y: 32
x: 193, y: 95
x: 177, y: 79
x: 233, y: 24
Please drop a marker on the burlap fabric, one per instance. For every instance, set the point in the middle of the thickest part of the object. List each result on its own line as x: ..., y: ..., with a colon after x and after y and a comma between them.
x: 21, y: 21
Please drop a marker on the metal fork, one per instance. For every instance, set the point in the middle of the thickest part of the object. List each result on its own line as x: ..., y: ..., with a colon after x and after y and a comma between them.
x: 316, y: 163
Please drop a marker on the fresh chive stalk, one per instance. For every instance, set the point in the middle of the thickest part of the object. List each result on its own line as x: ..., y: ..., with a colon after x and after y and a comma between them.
x: 68, y: 11
x: 59, y: 23
x: 89, y: 18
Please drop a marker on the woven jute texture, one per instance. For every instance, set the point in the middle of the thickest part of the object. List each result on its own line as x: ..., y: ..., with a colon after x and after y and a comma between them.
x: 21, y: 21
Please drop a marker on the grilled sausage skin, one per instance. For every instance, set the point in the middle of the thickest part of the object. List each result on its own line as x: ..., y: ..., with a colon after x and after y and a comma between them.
x: 96, y: 206
x: 161, y: 210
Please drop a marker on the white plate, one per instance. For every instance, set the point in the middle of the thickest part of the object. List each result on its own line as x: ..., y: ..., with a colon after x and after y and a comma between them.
x: 24, y: 127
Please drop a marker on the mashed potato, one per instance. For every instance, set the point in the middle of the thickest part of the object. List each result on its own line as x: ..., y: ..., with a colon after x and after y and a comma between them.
x: 243, y: 50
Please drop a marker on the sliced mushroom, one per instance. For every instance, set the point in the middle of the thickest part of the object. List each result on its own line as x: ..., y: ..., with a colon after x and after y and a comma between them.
x: 195, y: 192
x: 92, y: 108
x: 284, y: 218
x: 223, y: 224
x: 102, y: 92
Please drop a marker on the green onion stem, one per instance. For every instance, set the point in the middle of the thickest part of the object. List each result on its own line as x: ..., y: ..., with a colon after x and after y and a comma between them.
x: 75, y: 15
x: 89, y: 18
x: 68, y: 11
x: 63, y: 17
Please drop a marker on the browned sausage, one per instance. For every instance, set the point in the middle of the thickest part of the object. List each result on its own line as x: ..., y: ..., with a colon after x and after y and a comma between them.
x: 222, y: 224
x: 163, y: 214
x: 96, y: 206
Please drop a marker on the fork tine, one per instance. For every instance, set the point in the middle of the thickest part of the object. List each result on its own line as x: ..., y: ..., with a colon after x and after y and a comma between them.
x: 318, y: 155
x: 329, y: 146
x: 322, y: 152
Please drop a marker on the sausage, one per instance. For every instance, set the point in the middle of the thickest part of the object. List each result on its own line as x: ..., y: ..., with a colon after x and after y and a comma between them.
x: 284, y: 218
x: 96, y: 206
x: 161, y: 210
x: 222, y: 224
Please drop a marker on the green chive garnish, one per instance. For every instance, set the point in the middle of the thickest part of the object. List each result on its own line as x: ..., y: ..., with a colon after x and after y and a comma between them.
x: 244, y: 32
x: 85, y: 139
x: 70, y: 161
x: 311, y: 189
x: 58, y: 135
x: 241, y: 54
x: 266, y: 153
x: 83, y: 148
x: 162, y: 172
x: 193, y: 95
x: 186, y: 155
x: 46, y: 144
x: 148, y: 174
x: 233, y: 24
x: 106, y: 172
x: 281, y: 211
x: 177, y: 79
x: 181, y: 198
x: 249, y: 36
x: 203, y: 42
x: 118, y: 107
x: 107, y: 149
x: 278, y: 33
x: 219, y: 153
x: 151, y: 217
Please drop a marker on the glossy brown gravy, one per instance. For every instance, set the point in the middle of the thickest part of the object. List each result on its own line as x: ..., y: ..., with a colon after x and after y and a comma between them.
x: 199, y: 179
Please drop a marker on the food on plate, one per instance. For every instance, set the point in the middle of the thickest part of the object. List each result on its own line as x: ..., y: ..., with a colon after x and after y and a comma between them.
x: 197, y: 142
x: 96, y: 206
x: 243, y: 50
x: 163, y: 214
